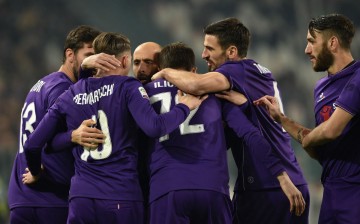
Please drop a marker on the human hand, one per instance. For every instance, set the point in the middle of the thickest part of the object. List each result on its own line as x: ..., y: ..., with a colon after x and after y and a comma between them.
x: 101, y: 61
x: 28, y: 178
x: 272, y: 106
x: 297, y: 202
x: 232, y: 96
x: 190, y: 100
x: 87, y: 135
x: 160, y: 74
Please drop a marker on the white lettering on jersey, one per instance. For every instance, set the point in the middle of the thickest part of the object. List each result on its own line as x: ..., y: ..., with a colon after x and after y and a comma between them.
x: 37, y: 86
x: 262, y: 69
x: 93, y: 97
x: 162, y: 83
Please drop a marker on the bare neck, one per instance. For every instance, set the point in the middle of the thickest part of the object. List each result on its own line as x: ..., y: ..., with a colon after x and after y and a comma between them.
x: 67, y: 70
x: 341, y: 60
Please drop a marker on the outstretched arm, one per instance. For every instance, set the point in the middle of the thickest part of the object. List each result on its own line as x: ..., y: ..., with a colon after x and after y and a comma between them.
x: 328, y: 130
x: 262, y: 151
x: 233, y: 97
x: 296, y: 130
x: 196, y: 84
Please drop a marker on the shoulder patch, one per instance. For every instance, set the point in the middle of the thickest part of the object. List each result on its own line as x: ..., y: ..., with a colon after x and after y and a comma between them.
x: 143, y: 92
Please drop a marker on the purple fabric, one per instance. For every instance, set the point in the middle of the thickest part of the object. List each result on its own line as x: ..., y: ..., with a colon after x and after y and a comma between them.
x: 97, y: 211
x: 38, y: 215
x: 120, y: 106
x: 194, y: 155
x: 340, y: 202
x: 254, y: 81
x: 191, y: 206
x: 52, y: 190
x: 341, y: 157
x: 268, y: 206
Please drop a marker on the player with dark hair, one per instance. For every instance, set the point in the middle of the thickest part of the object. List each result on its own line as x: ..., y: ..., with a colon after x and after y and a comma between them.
x: 48, y: 198
x: 334, y: 142
x: 189, y: 173
x: 267, y: 190
x: 105, y: 187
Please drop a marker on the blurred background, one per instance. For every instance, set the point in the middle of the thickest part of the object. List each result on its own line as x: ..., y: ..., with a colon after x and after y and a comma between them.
x: 32, y: 34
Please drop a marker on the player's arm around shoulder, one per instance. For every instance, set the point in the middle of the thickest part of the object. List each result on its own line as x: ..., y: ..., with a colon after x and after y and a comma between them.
x: 194, y: 83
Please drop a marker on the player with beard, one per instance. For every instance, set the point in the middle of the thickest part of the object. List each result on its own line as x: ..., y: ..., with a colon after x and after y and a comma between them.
x: 145, y: 65
x: 146, y: 61
x: 334, y: 142
x: 48, y: 198
x: 189, y: 173
x: 265, y: 192
x: 105, y: 186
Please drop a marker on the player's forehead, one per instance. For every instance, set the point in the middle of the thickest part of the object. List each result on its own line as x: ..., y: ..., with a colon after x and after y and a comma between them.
x: 146, y: 51
x: 143, y: 57
x: 211, y: 41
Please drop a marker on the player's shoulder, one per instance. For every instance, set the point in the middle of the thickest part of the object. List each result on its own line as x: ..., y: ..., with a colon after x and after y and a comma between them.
x: 57, y: 77
x: 357, y: 67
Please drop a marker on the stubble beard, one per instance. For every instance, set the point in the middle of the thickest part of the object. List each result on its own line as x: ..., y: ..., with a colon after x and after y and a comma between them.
x: 324, y: 60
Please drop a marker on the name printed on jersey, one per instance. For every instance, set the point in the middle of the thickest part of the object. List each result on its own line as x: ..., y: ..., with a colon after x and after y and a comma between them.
x: 262, y: 69
x: 95, y: 96
x: 37, y: 86
x: 162, y: 83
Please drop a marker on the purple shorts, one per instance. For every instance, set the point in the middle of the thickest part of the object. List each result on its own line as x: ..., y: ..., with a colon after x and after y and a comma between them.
x: 268, y: 206
x: 191, y: 206
x: 40, y: 215
x: 340, y: 203
x: 89, y: 210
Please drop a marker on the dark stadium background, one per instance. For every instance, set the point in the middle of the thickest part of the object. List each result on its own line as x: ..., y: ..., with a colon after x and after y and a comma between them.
x: 32, y: 35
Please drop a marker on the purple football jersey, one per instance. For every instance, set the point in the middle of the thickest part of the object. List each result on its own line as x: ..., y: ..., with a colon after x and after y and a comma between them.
x: 341, y: 157
x: 193, y: 156
x: 254, y: 81
x: 51, y: 191
x: 120, y: 105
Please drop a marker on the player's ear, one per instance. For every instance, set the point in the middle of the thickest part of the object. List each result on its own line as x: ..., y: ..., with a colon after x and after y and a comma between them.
x: 333, y: 42
x: 232, y: 52
x: 69, y: 53
x: 125, y: 61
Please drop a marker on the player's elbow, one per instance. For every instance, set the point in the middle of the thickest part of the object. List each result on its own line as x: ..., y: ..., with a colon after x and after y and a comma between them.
x: 331, y: 133
x: 195, y: 89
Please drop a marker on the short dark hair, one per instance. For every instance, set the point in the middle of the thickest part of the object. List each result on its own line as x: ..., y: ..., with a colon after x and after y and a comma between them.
x: 334, y: 24
x: 229, y: 32
x: 79, y: 36
x: 111, y: 43
x: 178, y: 56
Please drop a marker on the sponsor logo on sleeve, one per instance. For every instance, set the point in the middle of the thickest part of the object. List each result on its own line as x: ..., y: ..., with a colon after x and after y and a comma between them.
x: 143, y: 92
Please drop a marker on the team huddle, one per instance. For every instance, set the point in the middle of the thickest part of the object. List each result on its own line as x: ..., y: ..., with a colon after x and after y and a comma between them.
x: 100, y: 146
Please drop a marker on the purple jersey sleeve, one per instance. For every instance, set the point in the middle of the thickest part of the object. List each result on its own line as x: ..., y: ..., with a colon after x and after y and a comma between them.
x: 251, y: 135
x: 44, y: 132
x: 255, y: 81
x: 349, y: 99
x: 61, y: 141
x: 153, y: 124
x: 120, y: 105
x: 194, y: 155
